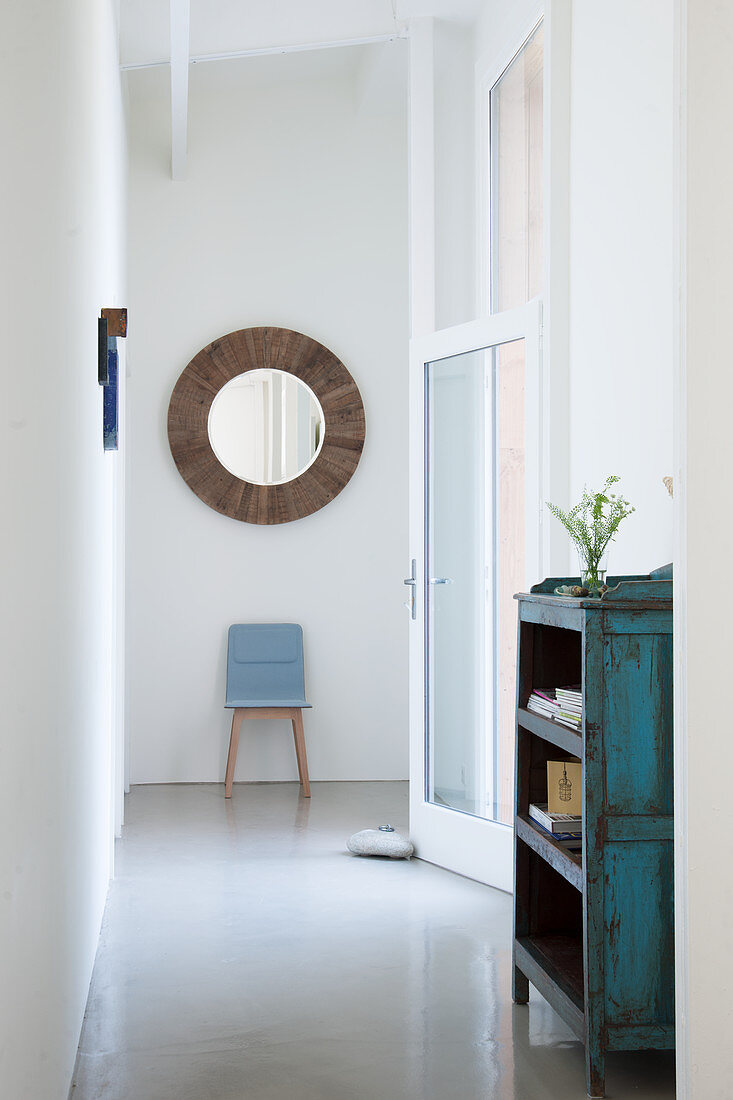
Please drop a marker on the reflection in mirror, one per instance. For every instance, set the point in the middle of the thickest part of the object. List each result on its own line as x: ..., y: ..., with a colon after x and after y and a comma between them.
x: 266, y: 426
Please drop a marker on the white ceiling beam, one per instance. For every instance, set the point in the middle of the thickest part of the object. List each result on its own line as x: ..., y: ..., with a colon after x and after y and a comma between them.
x: 180, y: 28
x: 264, y: 51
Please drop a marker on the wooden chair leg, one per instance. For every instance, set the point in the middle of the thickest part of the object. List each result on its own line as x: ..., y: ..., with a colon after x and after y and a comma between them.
x: 299, y: 737
x: 233, y: 746
x: 297, y: 750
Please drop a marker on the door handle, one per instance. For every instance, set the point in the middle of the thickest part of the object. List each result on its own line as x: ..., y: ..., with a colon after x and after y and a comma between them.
x: 412, y: 582
x: 439, y: 580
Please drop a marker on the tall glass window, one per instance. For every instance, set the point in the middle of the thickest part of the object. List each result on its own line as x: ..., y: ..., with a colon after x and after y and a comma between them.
x: 515, y: 152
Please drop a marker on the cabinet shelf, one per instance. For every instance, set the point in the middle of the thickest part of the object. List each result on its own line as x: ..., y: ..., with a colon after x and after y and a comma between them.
x: 548, y: 976
x: 561, y: 958
x: 568, y: 864
x: 554, y: 732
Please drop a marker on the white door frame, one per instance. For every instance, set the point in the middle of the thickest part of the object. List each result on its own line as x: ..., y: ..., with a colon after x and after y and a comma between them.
x: 463, y: 843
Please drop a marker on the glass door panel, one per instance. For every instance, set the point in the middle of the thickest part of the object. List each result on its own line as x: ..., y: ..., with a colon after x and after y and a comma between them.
x: 454, y: 581
x: 475, y: 509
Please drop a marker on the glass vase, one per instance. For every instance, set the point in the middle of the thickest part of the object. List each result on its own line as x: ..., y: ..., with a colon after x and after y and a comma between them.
x: 593, y: 574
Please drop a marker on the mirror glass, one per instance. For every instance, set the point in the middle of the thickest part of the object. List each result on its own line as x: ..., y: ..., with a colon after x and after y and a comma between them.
x: 266, y: 426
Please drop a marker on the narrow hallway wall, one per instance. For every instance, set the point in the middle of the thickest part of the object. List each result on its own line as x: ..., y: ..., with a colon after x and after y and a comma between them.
x: 293, y: 214
x: 62, y: 260
x: 704, y: 749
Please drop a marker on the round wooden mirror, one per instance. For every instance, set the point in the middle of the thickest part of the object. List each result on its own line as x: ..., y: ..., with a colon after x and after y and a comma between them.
x: 266, y: 425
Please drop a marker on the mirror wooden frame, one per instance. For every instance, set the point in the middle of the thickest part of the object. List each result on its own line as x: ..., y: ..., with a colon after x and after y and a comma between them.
x: 257, y: 349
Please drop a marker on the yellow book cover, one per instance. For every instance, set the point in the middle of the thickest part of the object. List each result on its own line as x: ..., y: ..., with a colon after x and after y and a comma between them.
x: 564, y: 787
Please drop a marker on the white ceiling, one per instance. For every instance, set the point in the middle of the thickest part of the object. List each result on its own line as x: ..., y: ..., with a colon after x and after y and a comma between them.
x: 219, y: 26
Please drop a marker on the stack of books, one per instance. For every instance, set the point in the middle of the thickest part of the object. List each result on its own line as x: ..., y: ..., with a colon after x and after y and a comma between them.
x: 560, y: 704
x: 571, y: 704
x: 566, y: 829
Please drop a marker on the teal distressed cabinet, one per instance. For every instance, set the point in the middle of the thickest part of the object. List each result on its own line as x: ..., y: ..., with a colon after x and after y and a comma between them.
x: 593, y: 932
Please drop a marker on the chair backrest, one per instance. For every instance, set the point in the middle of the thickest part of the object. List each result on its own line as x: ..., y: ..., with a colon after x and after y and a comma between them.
x: 265, y: 664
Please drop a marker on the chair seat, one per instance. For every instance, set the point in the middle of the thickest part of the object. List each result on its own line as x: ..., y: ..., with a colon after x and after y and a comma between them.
x: 248, y: 703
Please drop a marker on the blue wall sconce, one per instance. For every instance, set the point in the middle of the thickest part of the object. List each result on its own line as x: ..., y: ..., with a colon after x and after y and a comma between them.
x: 111, y: 324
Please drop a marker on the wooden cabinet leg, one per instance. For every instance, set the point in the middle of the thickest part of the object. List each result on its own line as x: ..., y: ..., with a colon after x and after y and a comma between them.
x: 233, y: 746
x: 595, y: 1071
x: 520, y: 987
x: 299, y: 737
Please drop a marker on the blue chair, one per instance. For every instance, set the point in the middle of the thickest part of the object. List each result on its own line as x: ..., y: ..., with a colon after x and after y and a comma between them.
x: 265, y: 679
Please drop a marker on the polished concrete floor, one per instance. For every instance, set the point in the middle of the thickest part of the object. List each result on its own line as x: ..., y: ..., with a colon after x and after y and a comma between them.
x: 246, y: 955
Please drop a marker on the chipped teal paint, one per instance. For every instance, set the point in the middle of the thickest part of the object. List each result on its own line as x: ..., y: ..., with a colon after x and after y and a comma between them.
x: 627, y: 875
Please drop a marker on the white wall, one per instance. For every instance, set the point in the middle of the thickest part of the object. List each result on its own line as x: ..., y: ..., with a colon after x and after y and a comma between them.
x: 61, y: 211
x: 621, y: 266
x: 501, y: 28
x: 614, y: 238
x: 293, y: 214
x: 455, y: 175
x: 704, y: 746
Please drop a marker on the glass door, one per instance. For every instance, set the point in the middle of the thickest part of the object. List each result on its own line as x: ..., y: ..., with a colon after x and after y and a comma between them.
x: 475, y: 535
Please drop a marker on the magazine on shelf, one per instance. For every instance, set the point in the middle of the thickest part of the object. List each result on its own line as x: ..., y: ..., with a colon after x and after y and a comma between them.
x: 572, y: 842
x: 570, y: 693
x: 562, y: 705
x: 555, y: 823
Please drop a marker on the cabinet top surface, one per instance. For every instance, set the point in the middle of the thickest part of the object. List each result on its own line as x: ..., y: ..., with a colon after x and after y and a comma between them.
x: 636, y: 592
